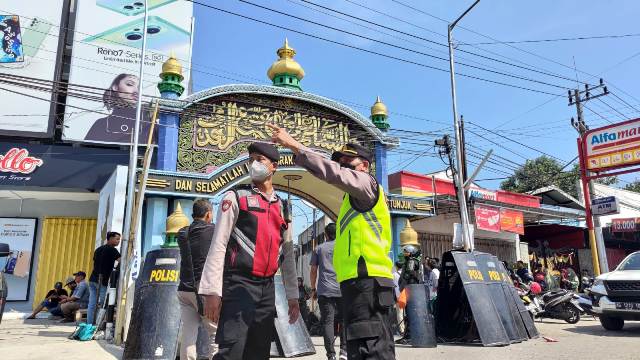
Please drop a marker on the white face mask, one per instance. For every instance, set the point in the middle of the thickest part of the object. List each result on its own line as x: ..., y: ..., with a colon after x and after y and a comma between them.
x: 258, y: 171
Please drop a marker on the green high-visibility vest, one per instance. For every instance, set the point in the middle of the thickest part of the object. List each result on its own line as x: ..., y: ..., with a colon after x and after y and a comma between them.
x: 365, y: 238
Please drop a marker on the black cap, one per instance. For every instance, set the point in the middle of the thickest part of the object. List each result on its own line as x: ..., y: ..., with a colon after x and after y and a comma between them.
x: 353, y: 150
x: 265, y: 149
x: 80, y: 273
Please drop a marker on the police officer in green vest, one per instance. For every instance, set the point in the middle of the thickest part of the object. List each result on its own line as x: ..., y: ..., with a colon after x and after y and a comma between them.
x: 363, y: 242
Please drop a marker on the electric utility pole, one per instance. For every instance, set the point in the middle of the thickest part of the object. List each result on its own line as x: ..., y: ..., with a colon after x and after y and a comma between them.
x: 459, y: 179
x: 596, y: 241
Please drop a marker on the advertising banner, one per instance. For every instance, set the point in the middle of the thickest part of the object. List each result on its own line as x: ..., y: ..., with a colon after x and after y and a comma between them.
x: 106, y: 55
x: 20, y: 234
x: 487, y: 218
x: 512, y: 221
x: 624, y: 225
x: 29, y: 33
x: 613, y: 146
x: 111, y: 205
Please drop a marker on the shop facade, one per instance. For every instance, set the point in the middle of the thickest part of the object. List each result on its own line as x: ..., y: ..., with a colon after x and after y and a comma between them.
x: 51, y: 198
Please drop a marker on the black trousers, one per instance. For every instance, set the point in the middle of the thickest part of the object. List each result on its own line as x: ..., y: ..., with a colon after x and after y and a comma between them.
x: 246, y: 325
x: 367, y: 306
x: 330, y: 317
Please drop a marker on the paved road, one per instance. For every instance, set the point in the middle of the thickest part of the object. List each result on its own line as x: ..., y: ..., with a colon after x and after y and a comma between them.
x: 43, y: 339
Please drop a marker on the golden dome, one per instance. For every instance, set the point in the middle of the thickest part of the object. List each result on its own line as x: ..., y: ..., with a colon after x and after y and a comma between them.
x: 286, y: 64
x: 177, y: 220
x: 379, y: 108
x: 172, y: 66
x: 408, y: 236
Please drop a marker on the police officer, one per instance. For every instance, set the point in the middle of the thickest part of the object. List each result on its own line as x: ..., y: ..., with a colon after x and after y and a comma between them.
x: 363, y: 242
x: 249, y: 244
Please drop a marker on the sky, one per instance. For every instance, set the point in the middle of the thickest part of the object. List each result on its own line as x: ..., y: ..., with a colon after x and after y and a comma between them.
x: 517, y: 124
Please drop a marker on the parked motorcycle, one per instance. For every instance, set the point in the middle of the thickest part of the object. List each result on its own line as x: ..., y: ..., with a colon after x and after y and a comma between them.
x: 560, y: 304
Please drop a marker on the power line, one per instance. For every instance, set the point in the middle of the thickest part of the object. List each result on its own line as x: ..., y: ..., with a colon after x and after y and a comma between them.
x: 366, y: 50
x: 554, y: 40
x: 515, y: 47
x: 428, y: 40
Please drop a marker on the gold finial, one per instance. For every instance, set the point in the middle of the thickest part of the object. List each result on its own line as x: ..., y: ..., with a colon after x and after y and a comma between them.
x: 172, y: 66
x: 286, y: 64
x: 177, y: 220
x: 379, y: 108
x: 408, y: 236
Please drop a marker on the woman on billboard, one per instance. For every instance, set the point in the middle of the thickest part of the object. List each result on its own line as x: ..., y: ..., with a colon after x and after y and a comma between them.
x: 120, y: 99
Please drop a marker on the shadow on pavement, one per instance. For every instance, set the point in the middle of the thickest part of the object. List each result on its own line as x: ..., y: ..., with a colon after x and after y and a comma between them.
x: 56, y: 334
x: 114, y: 350
x: 631, y: 329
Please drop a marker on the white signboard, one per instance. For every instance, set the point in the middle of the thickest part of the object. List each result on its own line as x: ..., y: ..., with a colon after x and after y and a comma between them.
x: 20, y: 234
x: 106, y: 55
x: 482, y: 194
x: 605, y: 206
x: 29, y: 33
x: 613, y: 146
x: 111, y: 205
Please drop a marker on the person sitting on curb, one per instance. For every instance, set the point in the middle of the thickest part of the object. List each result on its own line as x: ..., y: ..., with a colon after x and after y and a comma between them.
x: 79, y: 298
x: 51, y: 300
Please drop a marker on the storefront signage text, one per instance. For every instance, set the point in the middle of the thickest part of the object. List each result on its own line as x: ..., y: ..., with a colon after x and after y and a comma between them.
x: 605, y: 206
x: 613, y: 146
x: 17, y: 160
x: 625, y: 225
x: 482, y: 194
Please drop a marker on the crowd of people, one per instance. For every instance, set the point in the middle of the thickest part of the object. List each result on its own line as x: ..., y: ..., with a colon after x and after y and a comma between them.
x: 82, y: 296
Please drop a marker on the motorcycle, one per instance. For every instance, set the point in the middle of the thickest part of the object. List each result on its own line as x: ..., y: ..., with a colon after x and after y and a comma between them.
x: 561, y: 304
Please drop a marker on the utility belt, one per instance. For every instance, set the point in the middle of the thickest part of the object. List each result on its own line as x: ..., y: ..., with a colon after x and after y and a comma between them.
x: 228, y: 275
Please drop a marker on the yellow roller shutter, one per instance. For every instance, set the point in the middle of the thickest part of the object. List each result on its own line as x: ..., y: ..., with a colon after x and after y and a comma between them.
x: 66, y: 246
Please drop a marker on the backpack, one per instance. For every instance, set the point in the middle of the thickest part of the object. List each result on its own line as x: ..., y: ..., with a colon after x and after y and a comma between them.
x: 83, y: 332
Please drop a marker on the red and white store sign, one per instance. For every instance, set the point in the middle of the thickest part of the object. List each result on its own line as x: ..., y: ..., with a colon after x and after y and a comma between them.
x: 624, y: 225
x: 17, y: 160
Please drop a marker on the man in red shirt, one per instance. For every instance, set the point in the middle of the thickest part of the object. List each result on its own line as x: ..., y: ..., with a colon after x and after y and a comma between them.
x: 251, y: 241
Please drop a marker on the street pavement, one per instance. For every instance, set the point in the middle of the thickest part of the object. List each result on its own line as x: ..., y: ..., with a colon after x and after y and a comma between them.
x: 44, y: 339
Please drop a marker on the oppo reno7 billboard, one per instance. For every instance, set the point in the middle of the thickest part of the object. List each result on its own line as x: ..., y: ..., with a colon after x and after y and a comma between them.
x: 106, y: 59
x: 29, y: 36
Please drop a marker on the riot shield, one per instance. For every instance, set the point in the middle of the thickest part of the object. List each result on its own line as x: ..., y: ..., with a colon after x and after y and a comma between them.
x: 294, y: 339
x: 503, y: 301
x: 422, y: 329
x: 527, y: 321
x: 465, y: 308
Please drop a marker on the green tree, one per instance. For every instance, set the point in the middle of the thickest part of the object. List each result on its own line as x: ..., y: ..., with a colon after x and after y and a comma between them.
x: 545, y: 171
x: 633, y: 186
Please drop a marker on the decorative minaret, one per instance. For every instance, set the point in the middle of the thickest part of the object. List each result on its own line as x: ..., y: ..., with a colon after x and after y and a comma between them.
x: 175, y: 222
x: 379, y: 115
x: 170, y: 88
x: 286, y: 72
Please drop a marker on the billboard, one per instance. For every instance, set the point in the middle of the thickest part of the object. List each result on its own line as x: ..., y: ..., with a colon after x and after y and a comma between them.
x: 512, y: 221
x: 29, y: 33
x: 625, y: 224
x: 612, y: 146
x: 106, y: 56
x: 487, y: 218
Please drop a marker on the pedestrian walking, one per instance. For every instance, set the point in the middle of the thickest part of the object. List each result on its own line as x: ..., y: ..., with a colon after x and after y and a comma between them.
x: 194, y: 242
x: 104, y: 259
x: 251, y: 241
x: 326, y: 289
x: 363, y: 241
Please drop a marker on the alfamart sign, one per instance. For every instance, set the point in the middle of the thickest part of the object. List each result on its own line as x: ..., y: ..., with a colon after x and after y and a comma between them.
x: 613, y: 146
